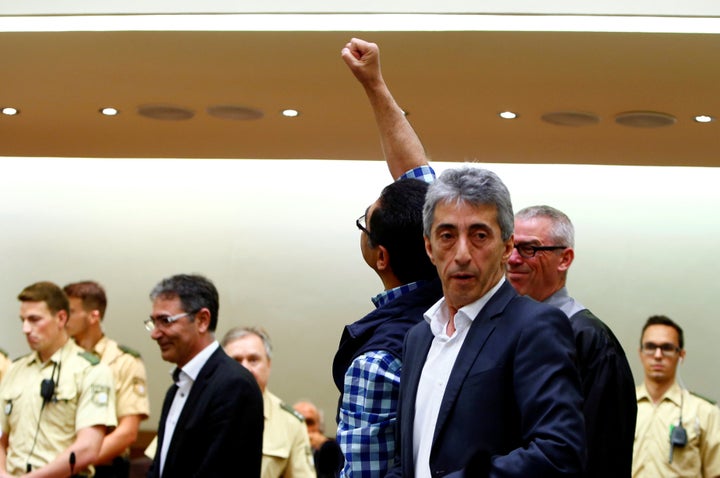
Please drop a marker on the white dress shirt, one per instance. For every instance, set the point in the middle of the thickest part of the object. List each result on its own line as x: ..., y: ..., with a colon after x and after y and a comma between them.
x: 186, y: 378
x: 436, y: 372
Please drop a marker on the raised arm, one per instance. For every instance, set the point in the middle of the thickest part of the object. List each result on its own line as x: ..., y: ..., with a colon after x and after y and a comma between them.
x: 401, y: 146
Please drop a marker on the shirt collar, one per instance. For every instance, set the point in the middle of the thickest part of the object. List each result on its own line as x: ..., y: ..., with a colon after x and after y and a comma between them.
x: 438, y: 315
x: 56, y: 357
x: 673, y: 394
x: 100, y: 346
x: 387, y: 296
x: 193, y: 367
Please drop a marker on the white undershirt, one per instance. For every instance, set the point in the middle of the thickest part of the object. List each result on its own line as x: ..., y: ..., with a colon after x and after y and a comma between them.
x: 436, y: 372
x: 186, y: 378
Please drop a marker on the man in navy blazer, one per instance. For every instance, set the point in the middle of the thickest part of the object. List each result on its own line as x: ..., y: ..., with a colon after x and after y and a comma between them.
x: 212, y: 418
x: 489, y: 385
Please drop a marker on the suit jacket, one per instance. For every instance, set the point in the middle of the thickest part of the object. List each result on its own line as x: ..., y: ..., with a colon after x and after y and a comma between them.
x: 220, y: 428
x: 512, y: 405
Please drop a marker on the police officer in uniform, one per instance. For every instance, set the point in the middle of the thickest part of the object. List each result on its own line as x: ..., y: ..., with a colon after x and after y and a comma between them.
x: 57, y: 401
x: 678, y: 432
x: 88, y: 302
x: 286, y: 446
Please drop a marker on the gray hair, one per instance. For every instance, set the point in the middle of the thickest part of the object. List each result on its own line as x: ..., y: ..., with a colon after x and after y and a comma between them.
x: 562, y: 231
x: 239, y: 332
x: 475, y: 186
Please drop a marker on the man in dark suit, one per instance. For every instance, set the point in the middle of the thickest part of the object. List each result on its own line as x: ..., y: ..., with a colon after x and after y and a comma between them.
x: 538, y: 268
x: 212, y: 418
x: 490, y: 386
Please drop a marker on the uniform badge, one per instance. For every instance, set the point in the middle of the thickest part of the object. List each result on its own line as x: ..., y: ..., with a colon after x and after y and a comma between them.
x: 100, y: 395
x: 139, y: 387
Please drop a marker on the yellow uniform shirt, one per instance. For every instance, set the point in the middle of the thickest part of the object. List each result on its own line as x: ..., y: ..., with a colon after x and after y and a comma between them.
x: 700, y: 458
x: 4, y: 364
x: 84, y: 397
x: 130, y: 378
x: 286, y: 446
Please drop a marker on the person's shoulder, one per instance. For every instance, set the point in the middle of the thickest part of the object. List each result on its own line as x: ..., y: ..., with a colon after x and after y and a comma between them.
x: 703, y: 399
x: 296, y: 416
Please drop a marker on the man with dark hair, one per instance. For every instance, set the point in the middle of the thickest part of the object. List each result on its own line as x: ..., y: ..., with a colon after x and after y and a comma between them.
x: 286, y: 445
x: 678, y: 432
x: 367, y: 365
x: 212, y: 418
x: 88, y: 302
x: 58, y: 400
x: 538, y: 268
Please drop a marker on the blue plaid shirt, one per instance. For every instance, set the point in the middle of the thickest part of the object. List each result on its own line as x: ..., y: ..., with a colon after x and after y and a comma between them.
x: 368, y: 410
x: 368, y: 413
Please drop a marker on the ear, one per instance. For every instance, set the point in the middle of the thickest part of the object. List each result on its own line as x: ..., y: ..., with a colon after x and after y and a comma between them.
x: 94, y: 316
x: 509, y: 246
x: 382, y: 259
x: 62, y: 317
x: 682, y: 356
x: 428, y: 249
x: 202, y: 320
x: 566, y: 259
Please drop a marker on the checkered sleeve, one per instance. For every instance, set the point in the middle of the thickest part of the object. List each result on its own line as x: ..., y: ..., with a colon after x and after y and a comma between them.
x: 368, y: 413
x: 424, y: 173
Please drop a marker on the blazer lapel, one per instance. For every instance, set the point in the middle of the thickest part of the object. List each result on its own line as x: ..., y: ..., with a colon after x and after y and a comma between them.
x: 480, y: 330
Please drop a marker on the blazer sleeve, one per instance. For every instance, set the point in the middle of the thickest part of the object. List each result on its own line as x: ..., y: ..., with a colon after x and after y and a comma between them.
x: 547, y: 390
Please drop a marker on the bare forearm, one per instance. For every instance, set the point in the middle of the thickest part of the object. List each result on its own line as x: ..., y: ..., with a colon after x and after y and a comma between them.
x: 115, y: 443
x: 81, y: 454
x: 401, y: 146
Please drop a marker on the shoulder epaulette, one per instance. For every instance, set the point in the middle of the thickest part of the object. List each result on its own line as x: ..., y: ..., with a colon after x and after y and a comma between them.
x: 130, y: 351
x: 90, y: 357
x: 22, y: 357
x: 712, y: 402
x: 293, y: 412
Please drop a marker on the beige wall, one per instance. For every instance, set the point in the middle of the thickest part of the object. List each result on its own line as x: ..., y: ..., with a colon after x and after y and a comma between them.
x: 278, y: 239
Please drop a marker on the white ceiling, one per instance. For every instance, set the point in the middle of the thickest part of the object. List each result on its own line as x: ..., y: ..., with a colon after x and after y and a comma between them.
x: 453, y: 84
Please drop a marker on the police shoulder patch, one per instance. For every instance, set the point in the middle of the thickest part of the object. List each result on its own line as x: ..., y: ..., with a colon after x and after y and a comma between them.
x: 292, y: 412
x: 128, y: 350
x: 90, y: 357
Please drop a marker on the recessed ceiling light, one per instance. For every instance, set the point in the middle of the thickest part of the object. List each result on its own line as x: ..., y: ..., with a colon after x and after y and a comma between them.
x: 704, y: 119
x: 165, y: 112
x: 507, y: 115
x: 232, y: 112
x: 290, y: 113
x: 571, y: 118
x: 10, y: 111
x: 645, y: 119
x: 109, y: 111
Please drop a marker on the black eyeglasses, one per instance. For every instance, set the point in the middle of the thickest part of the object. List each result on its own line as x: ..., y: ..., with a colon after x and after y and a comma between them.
x: 528, y: 251
x: 668, y: 350
x: 362, y: 225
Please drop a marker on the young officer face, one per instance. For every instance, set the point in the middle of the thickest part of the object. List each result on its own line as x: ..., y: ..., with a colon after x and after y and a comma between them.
x: 659, y: 366
x: 43, y: 330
